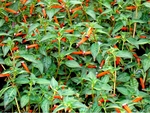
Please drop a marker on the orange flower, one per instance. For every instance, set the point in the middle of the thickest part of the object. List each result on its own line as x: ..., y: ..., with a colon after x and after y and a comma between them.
x: 44, y: 12
x: 125, y: 106
x: 4, y: 75
x: 58, y: 97
x: 76, y: 9
x: 18, y: 34
x: 56, y: 6
x: 77, y: 52
x: 24, y: 8
x: 142, y: 83
x: 6, y: 18
x: 131, y: 7
x: 56, y: 20
x: 11, y: 11
x: 137, y: 99
x: 25, y: 67
x: 102, y: 74
x: 82, y: 41
x: 117, y: 110
x: 102, y: 101
x: 102, y: 63
x: 31, y: 9
x: 91, y: 66
x: 69, y: 57
x: 69, y: 31
x: 8, y: 4
x: 15, y: 48
x: 32, y: 46
x: 87, y: 53
x: 25, y: 18
x: 1, y: 44
x: 142, y: 36
x: 117, y: 60
x: 89, y: 32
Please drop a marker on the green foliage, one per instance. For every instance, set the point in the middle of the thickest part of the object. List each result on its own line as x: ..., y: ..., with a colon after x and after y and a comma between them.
x: 74, y: 56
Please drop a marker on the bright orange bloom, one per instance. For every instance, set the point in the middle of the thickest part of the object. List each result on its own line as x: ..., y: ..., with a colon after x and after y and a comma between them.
x: 91, y: 66
x: 69, y: 57
x: 32, y: 46
x: 11, y: 11
x: 102, y: 63
x: 131, y: 7
x: 6, y: 18
x: 118, y: 60
x: 24, y: 8
x: 117, y: 110
x: 31, y: 9
x: 142, y: 83
x: 44, y: 12
x: 25, y: 67
x: 82, y: 41
x: 56, y: 20
x: 87, y: 53
x: 56, y: 6
x: 8, y: 4
x: 125, y: 106
x: 78, y: 53
x: 69, y: 31
x: 102, y: 74
x: 76, y: 9
x: 4, y: 75
x: 89, y: 32
x: 58, y: 97
x: 142, y: 36
x: 137, y: 99
x: 15, y: 48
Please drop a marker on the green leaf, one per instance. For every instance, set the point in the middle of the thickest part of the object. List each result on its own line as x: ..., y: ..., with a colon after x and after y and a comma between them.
x: 118, y: 26
x: 72, y: 64
x: 66, y: 92
x: 124, y: 54
x: 45, y: 106
x: 9, y: 95
x: 147, y: 4
x: 2, y: 21
x: 78, y: 105
x: 134, y: 83
x: 51, y: 13
x: 47, y: 62
x: 91, y: 13
x: 137, y: 21
x: 74, y: 2
x: 95, y: 50
x: 28, y: 57
x: 39, y: 65
x: 143, y: 41
x: 4, y: 34
x: 53, y: 83
x: 133, y: 41
x: 48, y: 36
x: 21, y: 80
x: 123, y: 77
x: 32, y: 27
x: 145, y: 64
x: 2, y: 91
x: 5, y: 50
x: 24, y: 100
x: 42, y: 81
x: 123, y: 90
x: 60, y: 107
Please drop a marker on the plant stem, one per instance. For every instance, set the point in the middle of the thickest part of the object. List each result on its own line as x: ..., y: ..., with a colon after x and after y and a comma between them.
x: 69, y: 16
x: 136, y: 14
x: 17, y: 105
x: 114, y: 91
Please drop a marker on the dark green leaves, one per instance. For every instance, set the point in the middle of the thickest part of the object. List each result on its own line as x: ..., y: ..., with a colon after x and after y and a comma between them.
x: 117, y: 27
x: 95, y: 50
x: 10, y: 95
x: 124, y: 54
x: 72, y: 64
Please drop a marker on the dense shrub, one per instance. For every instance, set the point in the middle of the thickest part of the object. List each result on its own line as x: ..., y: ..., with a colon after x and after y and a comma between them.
x: 75, y: 56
